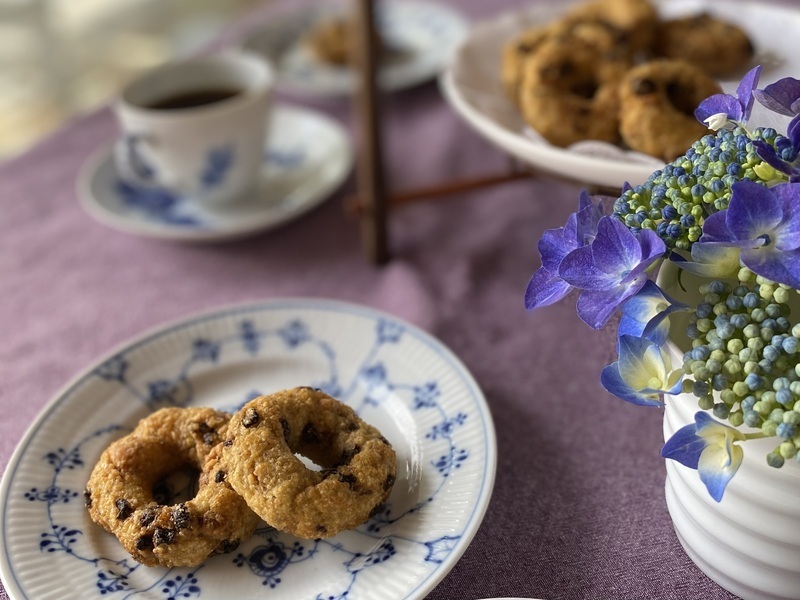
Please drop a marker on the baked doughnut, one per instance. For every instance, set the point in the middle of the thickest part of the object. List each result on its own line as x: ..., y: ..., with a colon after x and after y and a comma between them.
x: 515, y: 56
x: 120, y: 496
x: 332, y: 41
x: 657, y: 104
x: 611, y: 56
x: 634, y: 20
x: 358, y: 464
x: 566, y: 97
x: 715, y: 46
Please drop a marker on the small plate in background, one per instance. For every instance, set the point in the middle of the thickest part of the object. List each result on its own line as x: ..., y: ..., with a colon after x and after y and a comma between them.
x: 423, y: 37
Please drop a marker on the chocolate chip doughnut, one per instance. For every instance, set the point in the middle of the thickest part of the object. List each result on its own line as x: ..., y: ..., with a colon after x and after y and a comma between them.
x: 120, y: 492
x: 657, y: 104
x: 612, y: 57
x: 634, y: 20
x: 566, y: 97
x: 719, y: 48
x: 358, y: 463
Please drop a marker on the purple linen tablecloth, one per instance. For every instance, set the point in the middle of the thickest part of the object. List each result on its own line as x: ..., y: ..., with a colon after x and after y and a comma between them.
x: 578, y: 509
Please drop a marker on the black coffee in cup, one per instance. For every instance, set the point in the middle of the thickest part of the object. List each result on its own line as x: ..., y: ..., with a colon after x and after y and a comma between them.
x: 193, y: 98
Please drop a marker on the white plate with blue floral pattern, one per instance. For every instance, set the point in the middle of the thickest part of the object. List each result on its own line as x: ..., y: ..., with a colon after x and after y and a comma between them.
x: 471, y: 84
x: 422, y: 37
x: 397, y: 377
x: 307, y: 157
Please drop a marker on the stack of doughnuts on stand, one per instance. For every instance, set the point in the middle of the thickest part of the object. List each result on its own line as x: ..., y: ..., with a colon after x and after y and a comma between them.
x: 614, y: 71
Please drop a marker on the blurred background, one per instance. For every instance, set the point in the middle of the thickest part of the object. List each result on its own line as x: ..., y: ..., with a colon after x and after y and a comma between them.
x: 59, y: 58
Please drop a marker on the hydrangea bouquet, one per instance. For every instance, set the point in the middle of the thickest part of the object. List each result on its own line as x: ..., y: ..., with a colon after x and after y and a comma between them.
x: 728, y: 212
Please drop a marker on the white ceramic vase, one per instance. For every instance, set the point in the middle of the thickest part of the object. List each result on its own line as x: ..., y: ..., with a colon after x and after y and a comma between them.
x: 749, y: 542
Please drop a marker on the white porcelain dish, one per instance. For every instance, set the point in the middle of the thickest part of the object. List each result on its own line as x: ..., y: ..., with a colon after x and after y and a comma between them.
x: 397, y: 377
x: 471, y: 84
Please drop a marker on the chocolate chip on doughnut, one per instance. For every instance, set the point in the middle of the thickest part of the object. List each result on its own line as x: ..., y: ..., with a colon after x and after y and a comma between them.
x: 358, y: 463
x: 120, y: 492
x: 657, y: 104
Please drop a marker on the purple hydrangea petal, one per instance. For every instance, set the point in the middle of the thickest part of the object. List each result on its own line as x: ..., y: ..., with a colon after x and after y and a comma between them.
x: 653, y: 247
x: 715, y: 229
x: 719, y: 103
x: 596, y: 307
x: 555, y: 244
x: 578, y: 269
x: 768, y: 155
x: 788, y: 232
x: 587, y: 219
x: 781, y: 96
x: 545, y: 288
x: 616, y: 248
x: 752, y: 211
x: 793, y: 132
x: 744, y: 92
x: 781, y: 267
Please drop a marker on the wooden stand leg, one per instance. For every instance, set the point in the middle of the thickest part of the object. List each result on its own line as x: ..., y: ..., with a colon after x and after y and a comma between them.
x: 370, y: 175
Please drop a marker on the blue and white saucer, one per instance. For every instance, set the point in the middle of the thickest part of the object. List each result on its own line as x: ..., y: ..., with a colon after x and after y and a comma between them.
x: 307, y: 158
x: 424, y: 35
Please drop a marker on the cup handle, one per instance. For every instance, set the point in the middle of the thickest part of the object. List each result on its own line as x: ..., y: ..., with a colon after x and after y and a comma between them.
x: 131, y: 159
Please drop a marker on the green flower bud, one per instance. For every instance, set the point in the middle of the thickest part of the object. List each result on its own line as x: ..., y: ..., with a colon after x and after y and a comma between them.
x: 768, y: 428
x: 787, y: 449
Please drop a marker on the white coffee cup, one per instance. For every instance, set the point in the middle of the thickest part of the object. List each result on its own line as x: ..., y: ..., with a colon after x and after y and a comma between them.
x: 197, y: 128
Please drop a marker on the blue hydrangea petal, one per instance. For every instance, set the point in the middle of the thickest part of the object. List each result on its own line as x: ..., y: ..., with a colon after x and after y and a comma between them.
x: 646, y: 314
x: 658, y: 328
x: 639, y: 309
x: 641, y: 361
x: 685, y: 446
x: 545, y: 288
x: 721, y: 458
x: 711, y: 259
x: 613, y: 382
